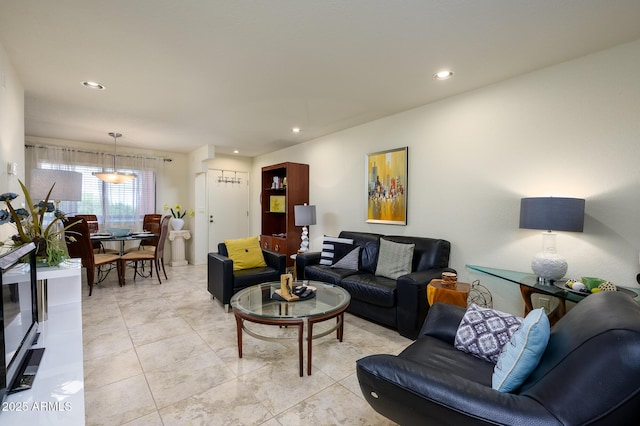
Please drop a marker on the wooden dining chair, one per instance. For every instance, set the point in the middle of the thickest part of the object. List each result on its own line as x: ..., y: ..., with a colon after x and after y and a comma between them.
x: 78, y: 239
x: 151, y: 223
x: 92, y: 223
x: 156, y: 256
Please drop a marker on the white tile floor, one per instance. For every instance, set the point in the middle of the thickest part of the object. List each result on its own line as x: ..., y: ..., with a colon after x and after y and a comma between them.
x: 167, y: 355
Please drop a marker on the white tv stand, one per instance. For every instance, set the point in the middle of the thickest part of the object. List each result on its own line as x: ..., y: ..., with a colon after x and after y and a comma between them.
x: 57, y: 396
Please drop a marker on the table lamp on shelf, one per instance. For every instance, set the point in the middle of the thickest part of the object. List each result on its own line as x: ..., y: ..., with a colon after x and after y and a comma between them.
x: 305, y: 215
x: 551, y: 214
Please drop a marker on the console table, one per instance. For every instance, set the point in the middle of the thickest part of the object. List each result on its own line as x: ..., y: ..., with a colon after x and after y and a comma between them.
x: 529, y: 284
x: 177, y: 239
x: 57, y: 396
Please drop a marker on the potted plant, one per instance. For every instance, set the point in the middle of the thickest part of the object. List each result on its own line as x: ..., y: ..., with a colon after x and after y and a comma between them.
x: 31, y: 227
x: 178, y: 213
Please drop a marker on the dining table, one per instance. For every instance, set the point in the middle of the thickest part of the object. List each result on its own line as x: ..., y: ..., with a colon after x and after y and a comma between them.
x: 134, y: 236
x: 122, y: 239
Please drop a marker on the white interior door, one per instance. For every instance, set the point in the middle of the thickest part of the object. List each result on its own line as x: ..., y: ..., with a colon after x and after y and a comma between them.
x: 228, y: 206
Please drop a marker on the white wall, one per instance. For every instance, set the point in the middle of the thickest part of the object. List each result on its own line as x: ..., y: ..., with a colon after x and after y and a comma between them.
x: 11, y: 132
x: 568, y: 130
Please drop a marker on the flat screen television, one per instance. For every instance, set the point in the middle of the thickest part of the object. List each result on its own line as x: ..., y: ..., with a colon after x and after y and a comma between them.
x: 18, y: 317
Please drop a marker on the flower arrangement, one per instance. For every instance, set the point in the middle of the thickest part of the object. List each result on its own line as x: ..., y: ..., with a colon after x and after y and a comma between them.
x: 31, y: 228
x: 178, y: 212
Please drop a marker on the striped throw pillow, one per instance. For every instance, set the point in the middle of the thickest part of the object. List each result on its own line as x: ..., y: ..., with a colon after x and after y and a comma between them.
x: 328, y: 248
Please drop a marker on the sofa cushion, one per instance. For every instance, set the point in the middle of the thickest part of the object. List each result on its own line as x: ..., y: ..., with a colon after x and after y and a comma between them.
x: 394, y: 259
x: 248, y: 277
x: 346, y: 256
x: 428, y: 253
x: 329, y: 248
x: 245, y: 253
x: 327, y: 274
x: 369, y: 244
x: 484, y: 331
x: 372, y: 289
x: 520, y: 356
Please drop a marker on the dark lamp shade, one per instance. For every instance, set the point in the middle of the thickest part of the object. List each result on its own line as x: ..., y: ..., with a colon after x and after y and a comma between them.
x: 304, y: 215
x: 552, y: 214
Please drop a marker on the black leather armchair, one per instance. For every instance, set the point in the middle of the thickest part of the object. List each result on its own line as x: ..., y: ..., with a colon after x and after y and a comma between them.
x: 588, y: 374
x: 223, y: 282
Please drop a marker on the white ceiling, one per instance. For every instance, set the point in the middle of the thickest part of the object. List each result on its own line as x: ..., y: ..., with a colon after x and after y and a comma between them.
x: 239, y: 74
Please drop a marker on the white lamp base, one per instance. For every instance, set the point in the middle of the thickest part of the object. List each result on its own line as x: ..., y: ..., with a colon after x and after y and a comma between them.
x: 549, y: 267
x: 304, y: 245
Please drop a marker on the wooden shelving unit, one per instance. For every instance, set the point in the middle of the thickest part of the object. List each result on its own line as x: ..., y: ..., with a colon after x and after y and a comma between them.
x: 284, y: 185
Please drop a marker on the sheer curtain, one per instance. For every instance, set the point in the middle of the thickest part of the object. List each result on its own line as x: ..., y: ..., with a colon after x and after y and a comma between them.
x: 116, y: 205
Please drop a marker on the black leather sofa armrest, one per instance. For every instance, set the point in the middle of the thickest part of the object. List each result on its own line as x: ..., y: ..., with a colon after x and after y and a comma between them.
x: 220, y: 277
x: 306, y: 259
x: 411, y: 291
x: 408, y: 393
x: 277, y: 261
x: 442, y: 322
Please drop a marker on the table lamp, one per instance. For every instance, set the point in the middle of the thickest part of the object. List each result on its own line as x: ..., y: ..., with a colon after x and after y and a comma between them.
x: 68, y: 185
x: 551, y: 214
x: 304, y: 216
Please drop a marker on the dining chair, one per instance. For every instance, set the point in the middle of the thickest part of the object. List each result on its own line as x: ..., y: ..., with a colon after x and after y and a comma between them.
x: 92, y: 222
x: 151, y: 223
x: 78, y: 239
x: 156, y: 256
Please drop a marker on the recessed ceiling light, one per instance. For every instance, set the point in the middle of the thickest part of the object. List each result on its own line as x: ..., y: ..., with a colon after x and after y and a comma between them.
x: 235, y: 151
x: 296, y: 129
x: 443, y: 75
x: 93, y: 85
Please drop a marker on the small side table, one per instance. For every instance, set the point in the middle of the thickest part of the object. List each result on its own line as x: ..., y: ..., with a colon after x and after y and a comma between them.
x: 457, y: 295
x: 177, y: 247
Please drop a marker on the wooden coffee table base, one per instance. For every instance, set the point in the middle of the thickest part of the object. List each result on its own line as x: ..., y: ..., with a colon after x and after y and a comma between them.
x: 291, y: 322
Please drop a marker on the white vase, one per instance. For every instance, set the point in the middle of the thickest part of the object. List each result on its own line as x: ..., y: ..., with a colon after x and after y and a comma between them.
x: 176, y: 223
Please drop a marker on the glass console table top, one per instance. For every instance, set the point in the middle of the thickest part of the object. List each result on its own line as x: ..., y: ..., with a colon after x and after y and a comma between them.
x: 530, y: 280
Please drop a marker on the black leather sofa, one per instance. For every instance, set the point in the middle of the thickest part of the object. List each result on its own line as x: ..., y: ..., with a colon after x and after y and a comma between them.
x: 400, y: 304
x: 588, y: 374
x: 223, y: 282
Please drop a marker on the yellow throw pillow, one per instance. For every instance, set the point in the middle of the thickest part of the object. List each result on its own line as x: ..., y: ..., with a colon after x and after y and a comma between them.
x: 245, y: 253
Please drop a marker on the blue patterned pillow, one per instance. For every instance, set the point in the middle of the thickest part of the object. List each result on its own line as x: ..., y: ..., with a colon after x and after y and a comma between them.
x: 484, y: 331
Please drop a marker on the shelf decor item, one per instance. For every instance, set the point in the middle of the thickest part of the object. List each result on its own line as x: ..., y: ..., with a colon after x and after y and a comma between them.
x: 386, y: 186
x: 277, y: 203
x: 551, y: 214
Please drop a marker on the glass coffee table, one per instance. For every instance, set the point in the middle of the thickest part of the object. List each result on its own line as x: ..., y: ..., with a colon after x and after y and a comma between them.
x: 254, y: 304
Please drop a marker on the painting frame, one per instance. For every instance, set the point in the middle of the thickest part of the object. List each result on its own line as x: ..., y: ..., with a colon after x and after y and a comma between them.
x: 386, y: 184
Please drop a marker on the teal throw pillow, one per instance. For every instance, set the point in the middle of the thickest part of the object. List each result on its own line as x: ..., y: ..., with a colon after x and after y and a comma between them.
x: 521, y: 355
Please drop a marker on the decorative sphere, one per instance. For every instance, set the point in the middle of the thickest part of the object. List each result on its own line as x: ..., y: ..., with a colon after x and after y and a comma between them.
x: 578, y: 286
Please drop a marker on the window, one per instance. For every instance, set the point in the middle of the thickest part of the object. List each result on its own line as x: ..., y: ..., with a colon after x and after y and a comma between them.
x: 116, y: 205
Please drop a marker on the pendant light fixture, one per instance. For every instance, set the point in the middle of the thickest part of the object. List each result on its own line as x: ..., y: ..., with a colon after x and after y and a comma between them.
x: 115, y: 176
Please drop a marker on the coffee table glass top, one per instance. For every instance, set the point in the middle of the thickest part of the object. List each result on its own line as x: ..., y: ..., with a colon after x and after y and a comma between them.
x: 256, y: 301
x: 528, y: 279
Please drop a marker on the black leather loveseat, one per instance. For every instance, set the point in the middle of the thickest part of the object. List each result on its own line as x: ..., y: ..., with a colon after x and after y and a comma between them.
x: 589, y: 373
x: 401, y: 303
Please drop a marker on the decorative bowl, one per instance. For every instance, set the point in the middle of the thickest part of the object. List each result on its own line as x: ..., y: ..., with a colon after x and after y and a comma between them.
x: 119, y: 232
x: 592, y: 282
